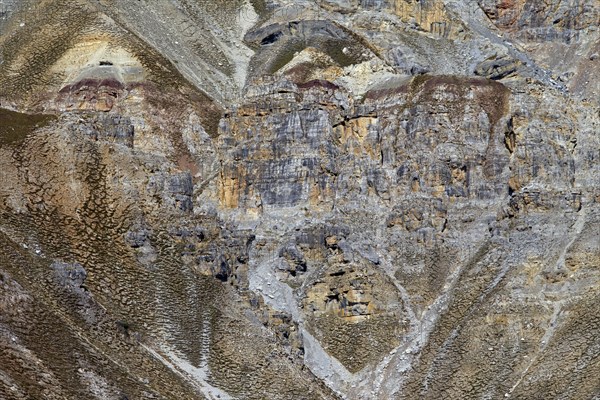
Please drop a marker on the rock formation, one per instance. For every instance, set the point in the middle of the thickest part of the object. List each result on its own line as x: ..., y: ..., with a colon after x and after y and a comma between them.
x: 319, y: 199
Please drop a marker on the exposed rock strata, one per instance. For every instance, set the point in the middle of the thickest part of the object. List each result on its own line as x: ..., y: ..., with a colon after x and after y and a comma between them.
x: 285, y: 200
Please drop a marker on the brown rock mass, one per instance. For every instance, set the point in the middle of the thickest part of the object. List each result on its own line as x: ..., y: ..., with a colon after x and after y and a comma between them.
x: 316, y: 199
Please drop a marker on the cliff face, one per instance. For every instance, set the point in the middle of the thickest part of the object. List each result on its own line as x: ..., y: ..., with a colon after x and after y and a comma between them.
x: 303, y: 200
x: 561, y: 36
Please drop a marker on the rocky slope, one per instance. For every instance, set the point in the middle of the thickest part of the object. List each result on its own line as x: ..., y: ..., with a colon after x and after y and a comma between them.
x: 374, y: 199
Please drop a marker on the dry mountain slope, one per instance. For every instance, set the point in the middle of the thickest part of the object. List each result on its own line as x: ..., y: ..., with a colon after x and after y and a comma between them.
x: 299, y: 200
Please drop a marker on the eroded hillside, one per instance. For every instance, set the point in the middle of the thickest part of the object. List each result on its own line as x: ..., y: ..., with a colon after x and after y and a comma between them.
x: 299, y: 200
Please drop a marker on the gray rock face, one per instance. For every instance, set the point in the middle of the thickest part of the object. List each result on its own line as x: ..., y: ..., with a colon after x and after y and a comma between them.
x: 174, y: 190
x: 420, y: 176
x: 299, y: 200
x: 115, y: 129
x: 277, y: 44
x: 71, y: 276
x: 497, y: 68
x: 313, y: 151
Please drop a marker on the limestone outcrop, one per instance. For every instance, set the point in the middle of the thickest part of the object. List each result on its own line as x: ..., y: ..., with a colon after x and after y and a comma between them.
x: 299, y: 200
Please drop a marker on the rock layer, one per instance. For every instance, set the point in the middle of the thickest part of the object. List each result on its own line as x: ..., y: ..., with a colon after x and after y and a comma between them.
x: 299, y: 200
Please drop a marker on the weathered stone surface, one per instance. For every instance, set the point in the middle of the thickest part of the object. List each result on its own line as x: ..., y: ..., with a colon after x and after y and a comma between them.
x: 299, y: 200
x: 561, y: 35
x: 497, y: 68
